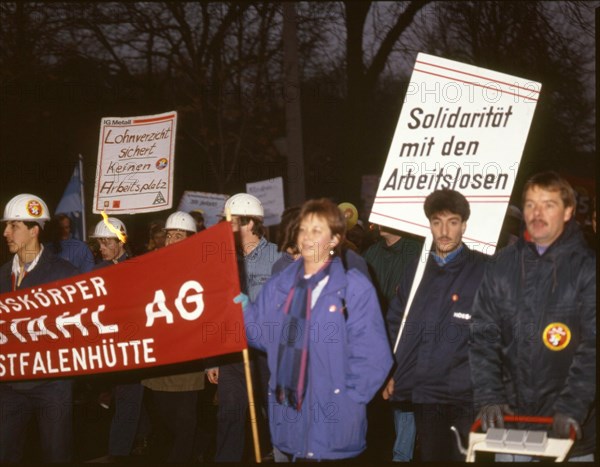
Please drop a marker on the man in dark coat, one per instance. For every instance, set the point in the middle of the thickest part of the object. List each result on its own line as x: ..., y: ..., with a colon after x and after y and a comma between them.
x: 432, y: 363
x: 534, y: 322
x: 49, y: 401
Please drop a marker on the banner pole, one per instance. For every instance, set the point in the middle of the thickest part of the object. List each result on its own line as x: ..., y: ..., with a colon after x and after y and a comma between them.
x: 251, y: 406
x: 82, y: 194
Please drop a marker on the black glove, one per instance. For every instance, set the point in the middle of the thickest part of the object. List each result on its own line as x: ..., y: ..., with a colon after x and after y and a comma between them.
x: 562, y: 426
x: 492, y: 416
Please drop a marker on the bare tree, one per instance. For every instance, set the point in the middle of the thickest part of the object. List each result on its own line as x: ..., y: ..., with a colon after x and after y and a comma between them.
x: 363, y: 70
x: 211, y: 61
x: 29, y: 37
x: 542, y: 41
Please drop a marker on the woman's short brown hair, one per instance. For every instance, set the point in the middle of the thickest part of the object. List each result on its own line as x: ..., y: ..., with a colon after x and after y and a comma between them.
x: 328, y: 211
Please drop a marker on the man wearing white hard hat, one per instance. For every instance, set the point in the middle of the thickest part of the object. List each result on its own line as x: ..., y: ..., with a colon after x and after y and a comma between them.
x: 130, y: 425
x: 175, y: 397
x: 198, y: 215
x: 256, y: 257
x: 33, y: 265
x: 111, y: 236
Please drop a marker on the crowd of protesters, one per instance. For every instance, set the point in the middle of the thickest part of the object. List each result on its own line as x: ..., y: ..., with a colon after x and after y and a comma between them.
x: 483, y: 337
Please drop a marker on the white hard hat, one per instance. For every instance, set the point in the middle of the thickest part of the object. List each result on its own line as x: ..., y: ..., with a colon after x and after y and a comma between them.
x: 27, y: 208
x: 102, y: 230
x: 181, y: 221
x: 244, y: 204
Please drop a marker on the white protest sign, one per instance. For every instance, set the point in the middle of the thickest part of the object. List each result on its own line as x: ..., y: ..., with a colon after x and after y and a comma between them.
x: 463, y: 128
x: 211, y: 203
x: 136, y: 159
x: 270, y: 194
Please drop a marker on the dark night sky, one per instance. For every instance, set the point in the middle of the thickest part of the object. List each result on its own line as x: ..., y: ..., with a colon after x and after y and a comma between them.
x: 47, y: 120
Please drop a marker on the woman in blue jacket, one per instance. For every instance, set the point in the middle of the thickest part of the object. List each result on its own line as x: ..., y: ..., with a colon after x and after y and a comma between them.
x: 323, y: 332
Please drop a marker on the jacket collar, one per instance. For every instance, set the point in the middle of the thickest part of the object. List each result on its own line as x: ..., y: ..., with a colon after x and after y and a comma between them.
x: 458, y: 258
x: 16, y: 269
x: 256, y: 252
x: 570, y: 238
x: 337, y: 277
x: 449, y: 257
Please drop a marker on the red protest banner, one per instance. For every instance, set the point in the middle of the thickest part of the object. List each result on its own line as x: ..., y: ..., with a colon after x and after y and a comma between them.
x: 172, y: 305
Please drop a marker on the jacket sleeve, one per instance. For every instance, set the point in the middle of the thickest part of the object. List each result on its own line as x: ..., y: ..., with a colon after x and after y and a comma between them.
x: 485, y: 355
x: 255, y: 320
x: 397, y: 305
x: 394, y: 318
x: 369, y: 355
x: 579, y: 392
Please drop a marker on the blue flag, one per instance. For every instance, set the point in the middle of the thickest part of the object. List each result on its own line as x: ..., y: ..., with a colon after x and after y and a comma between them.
x: 71, y: 203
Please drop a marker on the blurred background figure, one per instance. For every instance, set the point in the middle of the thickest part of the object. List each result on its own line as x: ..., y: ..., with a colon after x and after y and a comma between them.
x: 358, y: 236
x: 589, y: 229
x: 286, y: 238
x: 356, y: 233
x: 62, y: 244
x: 388, y: 259
x: 130, y: 424
x: 156, y: 235
x: 512, y: 227
x: 594, y: 214
x: 174, y: 397
x: 350, y: 214
x: 198, y: 215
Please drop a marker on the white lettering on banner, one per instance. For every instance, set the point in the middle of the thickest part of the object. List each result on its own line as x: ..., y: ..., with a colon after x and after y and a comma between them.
x: 158, y: 308
x: 462, y: 315
x: 68, y: 360
x: 162, y: 312
x: 198, y: 299
x: 43, y: 298
x: 65, y: 319
x: 75, y: 320
x: 42, y: 330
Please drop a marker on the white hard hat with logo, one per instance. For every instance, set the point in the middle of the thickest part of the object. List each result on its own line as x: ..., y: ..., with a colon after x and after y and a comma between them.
x: 27, y: 208
x: 180, y: 220
x: 244, y: 204
x: 103, y: 231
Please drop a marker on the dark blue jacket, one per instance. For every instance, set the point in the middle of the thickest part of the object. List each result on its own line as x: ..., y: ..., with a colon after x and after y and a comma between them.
x: 432, y: 359
x: 514, y: 360
x: 49, y: 268
x: 76, y: 252
x: 348, y: 362
x: 104, y: 263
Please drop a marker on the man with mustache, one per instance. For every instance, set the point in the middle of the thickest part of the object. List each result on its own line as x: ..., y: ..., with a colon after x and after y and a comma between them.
x: 432, y: 376
x: 534, y: 323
